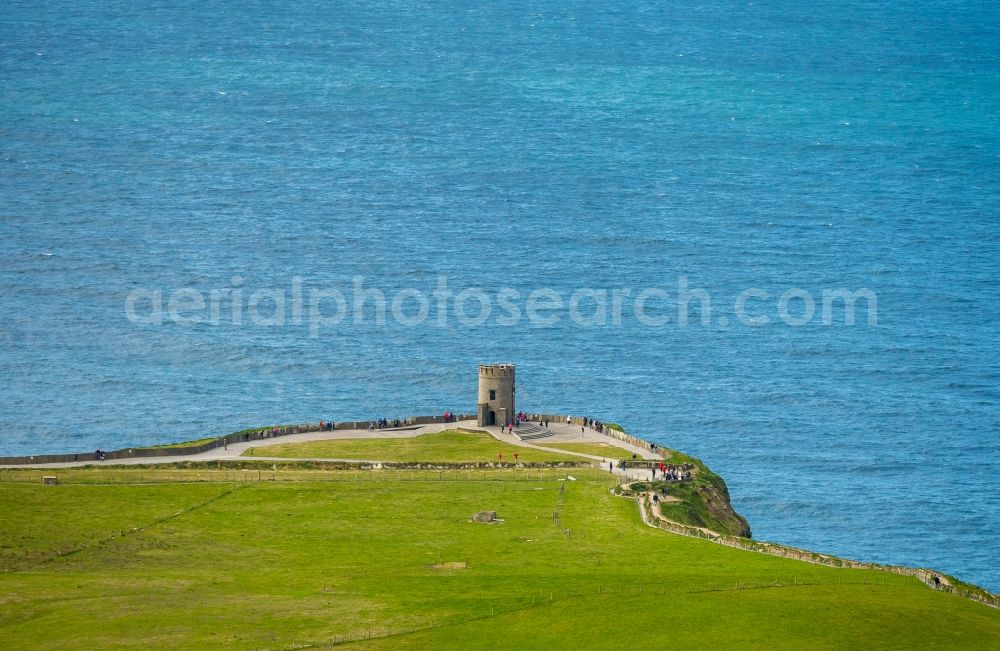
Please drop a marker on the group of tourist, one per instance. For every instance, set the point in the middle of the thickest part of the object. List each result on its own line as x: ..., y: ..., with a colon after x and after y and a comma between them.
x: 99, y: 455
x: 383, y: 423
x: 671, y: 472
x: 519, y: 417
x: 326, y: 426
x: 522, y: 417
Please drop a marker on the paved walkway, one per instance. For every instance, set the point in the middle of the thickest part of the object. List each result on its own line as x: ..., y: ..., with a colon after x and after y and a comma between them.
x: 562, y: 433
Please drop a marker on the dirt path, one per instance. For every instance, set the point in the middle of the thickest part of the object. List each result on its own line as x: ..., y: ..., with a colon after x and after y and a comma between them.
x: 646, y: 500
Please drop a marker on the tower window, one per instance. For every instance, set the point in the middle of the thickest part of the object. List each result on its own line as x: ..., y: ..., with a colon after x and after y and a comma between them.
x: 493, y: 394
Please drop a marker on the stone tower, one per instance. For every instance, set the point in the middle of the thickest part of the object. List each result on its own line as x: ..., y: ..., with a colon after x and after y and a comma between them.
x: 496, y: 394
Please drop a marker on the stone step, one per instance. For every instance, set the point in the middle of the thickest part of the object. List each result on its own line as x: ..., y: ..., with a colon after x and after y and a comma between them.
x: 532, y: 433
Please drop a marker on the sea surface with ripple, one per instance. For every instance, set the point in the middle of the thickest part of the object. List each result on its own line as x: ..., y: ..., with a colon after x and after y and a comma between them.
x: 563, y: 146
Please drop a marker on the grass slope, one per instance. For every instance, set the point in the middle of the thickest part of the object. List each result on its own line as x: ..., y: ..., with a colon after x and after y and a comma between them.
x: 451, y: 445
x: 598, y: 449
x: 187, y: 444
x: 358, y: 555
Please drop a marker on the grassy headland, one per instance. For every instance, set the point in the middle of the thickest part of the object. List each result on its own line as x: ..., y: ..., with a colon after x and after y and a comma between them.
x: 390, y: 560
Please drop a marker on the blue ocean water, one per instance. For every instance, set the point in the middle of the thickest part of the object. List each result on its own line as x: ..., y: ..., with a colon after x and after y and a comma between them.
x: 769, y: 145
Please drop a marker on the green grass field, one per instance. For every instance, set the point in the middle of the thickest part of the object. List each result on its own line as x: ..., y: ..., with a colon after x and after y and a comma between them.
x: 187, y: 444
x: 452, y: 445
x: 391, y: 560
x: 598, y: 449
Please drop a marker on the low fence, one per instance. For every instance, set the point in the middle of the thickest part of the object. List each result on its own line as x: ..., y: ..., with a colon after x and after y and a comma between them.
x: 932, y: 579
x: 628, y: 438
x: 253, y: 434
x: 450, y: 465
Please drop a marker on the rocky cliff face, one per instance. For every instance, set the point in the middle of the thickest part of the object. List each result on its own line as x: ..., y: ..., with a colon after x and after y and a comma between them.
x: 715, y: 497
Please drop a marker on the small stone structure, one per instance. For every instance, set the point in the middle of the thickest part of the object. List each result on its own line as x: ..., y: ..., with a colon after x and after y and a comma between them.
x: 485, y: 517
x: 49, y: 480
x: 496, y: 395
